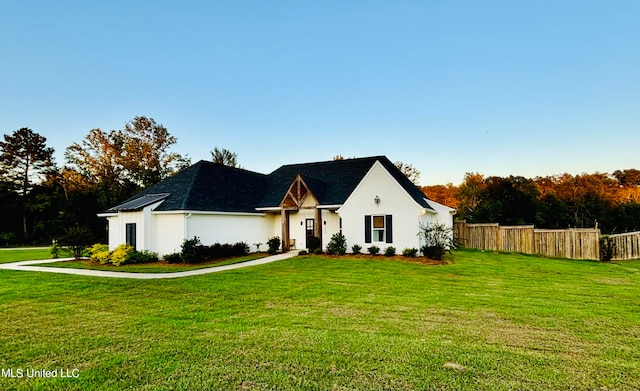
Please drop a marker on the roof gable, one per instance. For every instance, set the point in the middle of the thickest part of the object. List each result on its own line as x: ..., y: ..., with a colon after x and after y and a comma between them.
x: 332, y: 182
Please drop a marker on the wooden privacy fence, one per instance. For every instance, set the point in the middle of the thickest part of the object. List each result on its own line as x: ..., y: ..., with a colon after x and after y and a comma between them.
x: 625, y: 246
x: 573, y: 243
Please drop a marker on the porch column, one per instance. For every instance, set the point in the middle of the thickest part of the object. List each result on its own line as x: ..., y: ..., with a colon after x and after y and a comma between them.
x: 319, y: 225
x: 284, y: 216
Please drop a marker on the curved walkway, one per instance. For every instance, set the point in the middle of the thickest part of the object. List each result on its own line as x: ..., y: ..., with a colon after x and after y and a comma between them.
x: 29, y: 266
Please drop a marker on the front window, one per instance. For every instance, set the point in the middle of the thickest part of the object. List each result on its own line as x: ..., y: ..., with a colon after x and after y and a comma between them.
x: 378, y: 229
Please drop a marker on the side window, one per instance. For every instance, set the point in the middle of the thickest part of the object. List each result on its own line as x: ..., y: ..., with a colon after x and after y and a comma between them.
x: 131, y: 234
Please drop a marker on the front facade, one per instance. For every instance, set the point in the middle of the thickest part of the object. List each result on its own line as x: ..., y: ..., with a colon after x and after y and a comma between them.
x: 369, y: 200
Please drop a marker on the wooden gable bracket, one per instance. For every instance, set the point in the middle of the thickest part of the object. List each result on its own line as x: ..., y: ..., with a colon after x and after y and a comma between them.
x: 296, y: 194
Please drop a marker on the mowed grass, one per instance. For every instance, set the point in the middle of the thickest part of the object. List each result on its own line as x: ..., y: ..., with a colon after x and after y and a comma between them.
x: 482, y: 322
x: 24, y: 254
x: 155, y: 267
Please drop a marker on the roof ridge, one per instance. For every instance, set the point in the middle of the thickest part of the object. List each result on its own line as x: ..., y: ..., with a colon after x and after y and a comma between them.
x: 192, y: 181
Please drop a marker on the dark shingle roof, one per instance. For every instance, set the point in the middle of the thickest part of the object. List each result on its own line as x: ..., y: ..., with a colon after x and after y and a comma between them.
x: 207, y: 186
x: 333, y: 181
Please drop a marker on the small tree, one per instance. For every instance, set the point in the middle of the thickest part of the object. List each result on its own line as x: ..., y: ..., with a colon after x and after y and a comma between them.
x: 337, y: 244
x: 77, y: 240
x: 438, y: 239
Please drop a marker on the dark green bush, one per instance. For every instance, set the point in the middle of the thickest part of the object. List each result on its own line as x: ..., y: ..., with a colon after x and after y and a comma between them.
x: 356, y: 249
x: 173, y: 258
x: 390, y: 251
x: 143, y: 256
x: 337, y: 244
x: 374, y: 250
x: 313, y: 244
x: 607, y: 249
x: 191, y: 250
x: 274, y: 245
x: 317, y: 251
x: 410, y: 252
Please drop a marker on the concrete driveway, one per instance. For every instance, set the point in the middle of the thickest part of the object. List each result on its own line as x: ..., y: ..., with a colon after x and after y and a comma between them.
x: 30, y: 266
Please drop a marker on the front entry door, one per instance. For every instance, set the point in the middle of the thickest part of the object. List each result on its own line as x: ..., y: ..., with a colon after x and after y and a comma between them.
x: 310, y: 225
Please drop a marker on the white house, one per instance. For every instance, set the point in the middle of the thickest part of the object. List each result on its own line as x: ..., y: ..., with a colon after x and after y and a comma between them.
x: 367, y: 199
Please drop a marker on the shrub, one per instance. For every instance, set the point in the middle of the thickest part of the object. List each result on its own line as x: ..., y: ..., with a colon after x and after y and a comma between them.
x: 173, y: 258
x: 55, y: 249
x: 410, y: 252
x: 143, y: 256
x: 373, y: 250
x: 390, y: 251
x: 120, y: 254
x: 607, y: 249
x: 313, y: 244
x: 356, y: 248
x: 302, y: 252
x: 274, y: 245
x: 337, y: 244
x: 438, y: 239
x: 191, y: 250
x: 100, y: 253
x: 317, y: 251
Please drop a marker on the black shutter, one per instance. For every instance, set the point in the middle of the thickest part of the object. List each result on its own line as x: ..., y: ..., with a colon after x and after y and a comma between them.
x: 367, y: 229
x: 389, y: 227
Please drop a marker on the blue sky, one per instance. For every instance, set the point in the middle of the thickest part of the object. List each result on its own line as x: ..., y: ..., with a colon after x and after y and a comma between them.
x: 497, y: 87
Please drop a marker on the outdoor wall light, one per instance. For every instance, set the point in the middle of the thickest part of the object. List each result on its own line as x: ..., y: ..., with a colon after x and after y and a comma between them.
x: 377, y: 200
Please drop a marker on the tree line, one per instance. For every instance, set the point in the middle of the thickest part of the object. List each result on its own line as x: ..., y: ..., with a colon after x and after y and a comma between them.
x: 39, y: 200
x: 608, y: 201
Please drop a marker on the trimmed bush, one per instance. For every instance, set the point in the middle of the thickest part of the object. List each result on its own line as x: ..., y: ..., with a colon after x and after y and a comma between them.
x: 100, y: 253
x: 274, y: 245
x: 337, y: 244
x: 374, y: 250
x: 313, y: 244
x: 356, y: 249
x: 191, y: 250
x: 317, y: 251
x: 143, y: 256
x: 390, y: 251
x: 173, y: 258
x: 302, y: 252
x: 120, y: 254
x: 410, y: 252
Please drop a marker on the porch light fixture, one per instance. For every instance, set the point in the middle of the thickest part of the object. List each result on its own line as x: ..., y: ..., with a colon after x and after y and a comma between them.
x: 377, y: 200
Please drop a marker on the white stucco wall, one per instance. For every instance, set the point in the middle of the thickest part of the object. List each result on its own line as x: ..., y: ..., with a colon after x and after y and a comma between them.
x: 230, y: 228
x: 394, y: 201
x: 330, y: 226
x: 169, y: 232
x: 114, y: 231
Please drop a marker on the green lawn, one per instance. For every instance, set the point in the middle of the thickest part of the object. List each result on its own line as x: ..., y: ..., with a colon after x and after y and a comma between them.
x: 24, y: 254
x: 157, y: 267
x: 483, y: 322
